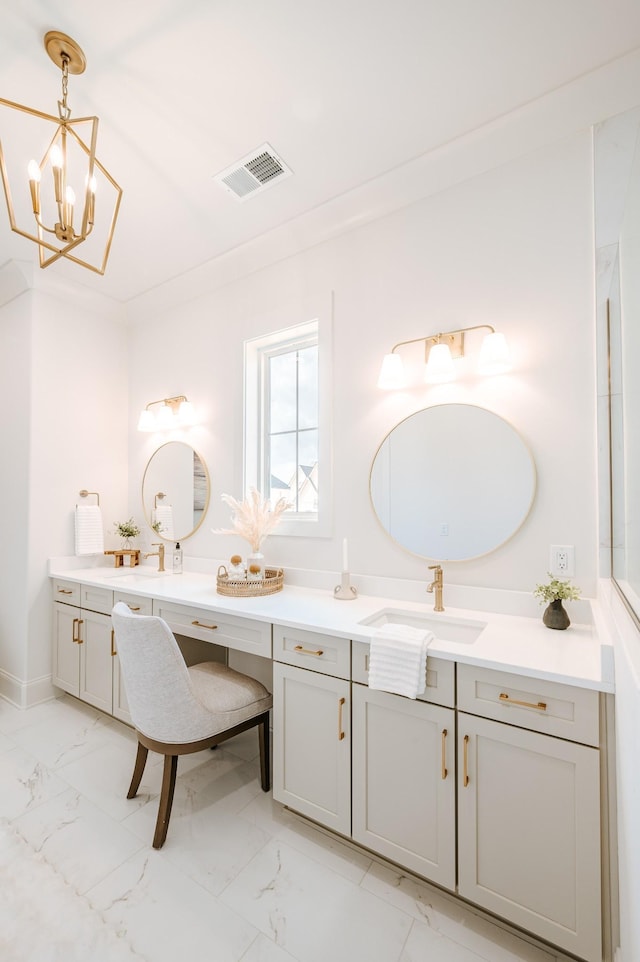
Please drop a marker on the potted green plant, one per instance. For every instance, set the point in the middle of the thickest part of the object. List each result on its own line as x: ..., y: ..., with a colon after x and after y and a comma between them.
x: 554, y: 592
x: 128, y: 530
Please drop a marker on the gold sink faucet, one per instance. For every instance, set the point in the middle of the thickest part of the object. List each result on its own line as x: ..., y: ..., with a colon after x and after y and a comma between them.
x: 159, y: 554
x: 437, y: 585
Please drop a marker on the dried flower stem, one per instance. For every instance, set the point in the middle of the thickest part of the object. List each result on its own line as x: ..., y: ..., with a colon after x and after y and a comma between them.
x: 254, y: 518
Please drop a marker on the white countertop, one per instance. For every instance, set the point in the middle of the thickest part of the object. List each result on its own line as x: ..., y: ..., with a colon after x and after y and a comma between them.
x: 578, y: 656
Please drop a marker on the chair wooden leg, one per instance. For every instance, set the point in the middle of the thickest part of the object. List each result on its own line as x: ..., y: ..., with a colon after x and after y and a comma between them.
x: 265, y: 758
x: 141, y: 761
x: 166, y: 799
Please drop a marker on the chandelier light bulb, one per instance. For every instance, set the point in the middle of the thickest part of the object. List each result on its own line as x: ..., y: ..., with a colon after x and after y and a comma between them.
x: 56, y: 156
x: 34, y: 171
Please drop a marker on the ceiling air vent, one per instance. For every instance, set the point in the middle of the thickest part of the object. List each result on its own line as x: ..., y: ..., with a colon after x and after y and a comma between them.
x: 253, y: 174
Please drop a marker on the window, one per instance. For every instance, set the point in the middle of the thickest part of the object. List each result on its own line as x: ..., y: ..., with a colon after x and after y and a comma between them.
x: 286, y: 430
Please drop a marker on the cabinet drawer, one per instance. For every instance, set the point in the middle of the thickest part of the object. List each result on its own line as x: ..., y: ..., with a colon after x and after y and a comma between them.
x: 310, y: 649
x: 440, y: 687
x: 140, y: 604
x: 230, y: 631
x: 66, y: 591
x: 96, y: 599
x: 542, y: 706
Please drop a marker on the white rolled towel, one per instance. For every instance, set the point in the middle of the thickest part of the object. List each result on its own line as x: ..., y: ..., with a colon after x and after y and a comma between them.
x: 89, y: 529
x: 398, y: 659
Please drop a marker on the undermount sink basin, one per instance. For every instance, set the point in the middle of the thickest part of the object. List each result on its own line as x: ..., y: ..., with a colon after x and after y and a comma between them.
x: 133, y: 576
x: 461, y: 630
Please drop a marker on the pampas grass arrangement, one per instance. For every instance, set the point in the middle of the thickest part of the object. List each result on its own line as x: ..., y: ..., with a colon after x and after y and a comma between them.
x: 254, y: 518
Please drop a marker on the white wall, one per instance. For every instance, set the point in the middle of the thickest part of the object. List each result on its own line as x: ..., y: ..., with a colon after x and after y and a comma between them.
x: 65, y: 372
x: 512, y: 248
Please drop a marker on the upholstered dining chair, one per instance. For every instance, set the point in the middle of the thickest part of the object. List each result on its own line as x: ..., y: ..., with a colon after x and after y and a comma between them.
x: 178, y: 710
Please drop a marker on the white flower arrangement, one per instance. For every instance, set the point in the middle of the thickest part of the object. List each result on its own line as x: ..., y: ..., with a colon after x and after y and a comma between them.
x: 254, y: 518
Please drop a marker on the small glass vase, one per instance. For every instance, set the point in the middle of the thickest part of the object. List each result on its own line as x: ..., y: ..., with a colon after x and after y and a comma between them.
x: 255, y: 566
x: 555, y: 616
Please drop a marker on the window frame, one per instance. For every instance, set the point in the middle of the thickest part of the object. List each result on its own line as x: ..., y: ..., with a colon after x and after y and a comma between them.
x: 257, y: 351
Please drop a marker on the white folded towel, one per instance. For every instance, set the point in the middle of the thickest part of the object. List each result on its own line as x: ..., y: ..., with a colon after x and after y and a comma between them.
x: 164, y: 514
x: 89, y: 530
x: 398, y: 659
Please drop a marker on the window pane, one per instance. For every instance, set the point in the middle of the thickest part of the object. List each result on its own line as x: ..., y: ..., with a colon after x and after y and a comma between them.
x: 282, y: 461
x: 308, y: 387
x: 282, y: 392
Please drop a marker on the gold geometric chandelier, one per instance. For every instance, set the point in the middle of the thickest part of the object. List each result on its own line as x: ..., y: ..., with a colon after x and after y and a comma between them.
x: 56, y: 198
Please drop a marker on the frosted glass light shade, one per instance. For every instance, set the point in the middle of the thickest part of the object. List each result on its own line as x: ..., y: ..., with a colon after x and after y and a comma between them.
x: 146, y: 421
x: 186, y: 414
x: 392, y: 375
x: 165, y: 418
x: 494, y: 354
x: 439, y: 365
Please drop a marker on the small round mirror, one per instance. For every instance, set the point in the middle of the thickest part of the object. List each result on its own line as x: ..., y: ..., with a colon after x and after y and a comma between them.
x: 175, y: 491
x: 452, y: 482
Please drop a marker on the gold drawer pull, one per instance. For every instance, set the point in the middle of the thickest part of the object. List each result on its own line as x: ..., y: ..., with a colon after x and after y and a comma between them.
x: 465, y: 762
x: 65, y: 591
x: 340, y: 732
x: 308, y: 651
x: 199, y: 624
x: 77, y: 638
x: 541, y: 705
x: 113, y: 646
x: 444, y: 753
x: 133, y: 607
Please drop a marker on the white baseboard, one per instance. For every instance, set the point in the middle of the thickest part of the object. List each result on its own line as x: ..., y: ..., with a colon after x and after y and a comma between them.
x: 26, y: 694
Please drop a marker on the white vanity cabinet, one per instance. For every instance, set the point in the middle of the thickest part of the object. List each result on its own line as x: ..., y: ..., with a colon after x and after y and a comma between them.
x: 529, y: 805
x: 85, y: 662
x: 311, y: 726
x: 403, y: 767
x: 82, y: 642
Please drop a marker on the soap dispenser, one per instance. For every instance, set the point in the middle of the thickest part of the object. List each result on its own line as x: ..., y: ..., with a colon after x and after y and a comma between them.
x: 177, y: 559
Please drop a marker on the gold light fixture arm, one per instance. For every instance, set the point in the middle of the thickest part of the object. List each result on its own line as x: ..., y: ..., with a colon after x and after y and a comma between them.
x: 454, y: 339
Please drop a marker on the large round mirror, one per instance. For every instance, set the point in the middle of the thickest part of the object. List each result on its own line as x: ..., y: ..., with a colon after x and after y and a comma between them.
x: 452, y: 482
x: 175, y: 491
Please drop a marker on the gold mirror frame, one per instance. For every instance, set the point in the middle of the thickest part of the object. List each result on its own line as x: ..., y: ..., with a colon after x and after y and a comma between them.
x: 159, y: 486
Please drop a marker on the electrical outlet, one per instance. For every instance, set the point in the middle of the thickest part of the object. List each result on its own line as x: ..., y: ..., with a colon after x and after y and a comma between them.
x: 562, y: 560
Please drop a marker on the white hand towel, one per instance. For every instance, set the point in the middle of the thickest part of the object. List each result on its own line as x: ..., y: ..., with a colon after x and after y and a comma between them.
x: 398, y: 659
x: 89, y: 530
x: 164, y: 514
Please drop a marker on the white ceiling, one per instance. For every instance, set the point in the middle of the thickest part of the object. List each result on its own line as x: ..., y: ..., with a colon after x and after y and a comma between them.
x: 344, y: 90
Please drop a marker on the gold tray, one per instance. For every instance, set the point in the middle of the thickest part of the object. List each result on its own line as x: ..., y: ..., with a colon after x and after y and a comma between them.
x: 272, y: 582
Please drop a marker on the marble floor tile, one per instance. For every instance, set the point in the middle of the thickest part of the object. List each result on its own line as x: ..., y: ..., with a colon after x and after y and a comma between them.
x: 327, y: 849
x: 425, y: 945
x: 69, y: 732
x: 104, y: 775
x: 166, y: 916
x: 26, y: 783
x: 313, y: 913
x: 77, y: 838
x: 445, y: 916
x: 264, y: 950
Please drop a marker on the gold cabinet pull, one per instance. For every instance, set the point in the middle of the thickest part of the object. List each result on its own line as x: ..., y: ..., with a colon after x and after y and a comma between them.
x: 79, y: 639
x: 541, y: 705
x: 65, y: 591
x: 340, y: 732
x: 113, y: 645
x: 465, y: 762
x: 200, y: 624
x: 133, y: 607
x: 74, y: 632
x: 308, y: 651
x: 444, y: 753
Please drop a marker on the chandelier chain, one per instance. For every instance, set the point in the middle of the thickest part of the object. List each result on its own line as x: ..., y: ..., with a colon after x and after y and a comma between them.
x: 64, y: 111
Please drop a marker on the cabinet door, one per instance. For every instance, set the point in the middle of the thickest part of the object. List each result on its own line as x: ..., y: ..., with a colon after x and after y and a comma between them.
x: 96, y: 660
x: 311, y: 751
x: 529, y: 831
x: 66, y: 650
x: 404, y: 782
x: 120, y: 703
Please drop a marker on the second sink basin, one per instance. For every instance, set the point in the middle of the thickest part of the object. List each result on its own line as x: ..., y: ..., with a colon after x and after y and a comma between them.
x: 461, y: 630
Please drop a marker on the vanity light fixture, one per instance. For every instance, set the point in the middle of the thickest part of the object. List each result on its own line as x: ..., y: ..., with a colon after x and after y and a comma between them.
x: 440, y: 350
x: 176, y: 412
x: 64, y: 212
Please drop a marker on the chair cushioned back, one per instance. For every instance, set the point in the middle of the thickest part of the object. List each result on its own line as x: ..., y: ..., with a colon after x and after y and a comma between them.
x: 170, y: 702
